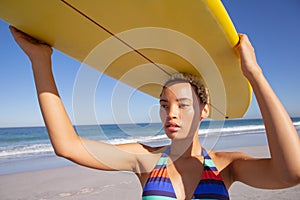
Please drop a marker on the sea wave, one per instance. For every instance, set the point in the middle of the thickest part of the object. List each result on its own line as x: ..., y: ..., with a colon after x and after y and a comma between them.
x: 160, y: 137
x: 156, y: 140
x: 297, y: 124
x: 236, y: 130
x: 25, y: 150
x: 40, y: 147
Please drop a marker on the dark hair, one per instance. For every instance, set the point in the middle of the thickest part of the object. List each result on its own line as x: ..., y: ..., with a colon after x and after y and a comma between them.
x: 197, y: 83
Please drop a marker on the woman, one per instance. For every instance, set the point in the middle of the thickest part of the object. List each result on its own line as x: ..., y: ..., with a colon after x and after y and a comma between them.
x: 183, y: 170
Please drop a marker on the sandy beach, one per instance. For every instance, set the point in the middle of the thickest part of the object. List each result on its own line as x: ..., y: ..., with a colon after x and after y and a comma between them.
x: 76, y: 182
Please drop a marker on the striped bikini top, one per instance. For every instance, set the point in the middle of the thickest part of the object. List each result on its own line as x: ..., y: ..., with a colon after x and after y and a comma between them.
x: 159, y: 186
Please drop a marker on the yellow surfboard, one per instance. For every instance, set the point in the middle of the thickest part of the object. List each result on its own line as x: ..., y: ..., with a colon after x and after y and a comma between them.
x: 141, y: 43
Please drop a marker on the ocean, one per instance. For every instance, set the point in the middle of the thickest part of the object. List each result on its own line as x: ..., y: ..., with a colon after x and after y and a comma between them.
x: 28, y: 148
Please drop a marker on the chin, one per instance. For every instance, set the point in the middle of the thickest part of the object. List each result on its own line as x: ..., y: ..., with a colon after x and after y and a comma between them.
x: 171, y: 135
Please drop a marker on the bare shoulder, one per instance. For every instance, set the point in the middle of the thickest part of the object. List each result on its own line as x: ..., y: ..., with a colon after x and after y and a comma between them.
x: 139, y: 148
x: 146, y: 158
x: 226, y: 158
x: 231, y: 156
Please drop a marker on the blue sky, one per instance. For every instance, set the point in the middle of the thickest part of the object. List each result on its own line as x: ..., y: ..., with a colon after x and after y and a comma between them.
x: 272, y: 25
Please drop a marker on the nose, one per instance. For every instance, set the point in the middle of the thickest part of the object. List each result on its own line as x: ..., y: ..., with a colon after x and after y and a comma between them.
x: 173, y: 112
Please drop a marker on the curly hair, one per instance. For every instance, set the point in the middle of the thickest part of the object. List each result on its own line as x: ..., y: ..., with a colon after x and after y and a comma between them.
x: 197, y: 83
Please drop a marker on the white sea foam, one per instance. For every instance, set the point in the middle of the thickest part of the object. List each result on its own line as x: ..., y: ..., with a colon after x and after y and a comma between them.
x: 23, y: 150
x: 35, y: 149
x: 236, y: 130
x: 297, y: 124
x: 138, y: 139
x: 18, y: 150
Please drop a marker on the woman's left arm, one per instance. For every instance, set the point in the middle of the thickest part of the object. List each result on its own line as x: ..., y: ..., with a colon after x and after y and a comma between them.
x: 283, y: 168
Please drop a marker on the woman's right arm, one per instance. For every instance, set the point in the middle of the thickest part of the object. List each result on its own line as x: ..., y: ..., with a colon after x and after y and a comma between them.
x: 64, y: 139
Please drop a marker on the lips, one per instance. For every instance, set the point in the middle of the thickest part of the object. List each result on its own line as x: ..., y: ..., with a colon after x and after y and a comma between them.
x: 172, y: 127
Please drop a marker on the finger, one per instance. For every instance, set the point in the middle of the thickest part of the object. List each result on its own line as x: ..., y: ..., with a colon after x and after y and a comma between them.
x: 241, y: 38
x: 17, y: 33
x: 13, y: 30
x: 20, y: 34
x: 237, y: 47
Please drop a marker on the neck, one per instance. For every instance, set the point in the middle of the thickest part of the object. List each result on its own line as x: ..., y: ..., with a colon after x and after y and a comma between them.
x: 189, y: 147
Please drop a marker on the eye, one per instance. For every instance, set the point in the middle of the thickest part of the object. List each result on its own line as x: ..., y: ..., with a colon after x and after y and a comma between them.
x: 184, y: 105
x: 164, y: 106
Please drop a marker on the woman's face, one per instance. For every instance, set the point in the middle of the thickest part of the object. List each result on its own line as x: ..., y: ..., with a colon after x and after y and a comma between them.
x: 180, y: 111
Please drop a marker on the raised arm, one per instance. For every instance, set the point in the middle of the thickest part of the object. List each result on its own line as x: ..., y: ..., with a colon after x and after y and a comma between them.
x: 64, y: 139
x: 283, y: 168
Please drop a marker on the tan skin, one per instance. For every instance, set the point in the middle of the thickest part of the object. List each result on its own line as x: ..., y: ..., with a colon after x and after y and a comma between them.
x: 180, y: 108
